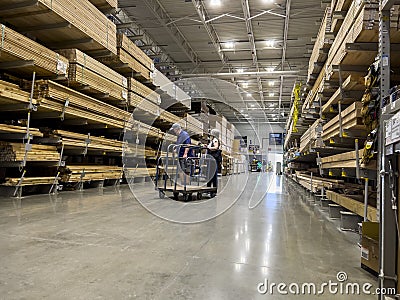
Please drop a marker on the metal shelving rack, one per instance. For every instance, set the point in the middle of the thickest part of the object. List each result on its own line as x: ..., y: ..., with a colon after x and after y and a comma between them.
x: 387, y: 165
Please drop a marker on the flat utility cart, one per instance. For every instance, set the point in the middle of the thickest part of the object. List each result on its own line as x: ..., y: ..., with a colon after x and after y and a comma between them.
x: 185, y: 176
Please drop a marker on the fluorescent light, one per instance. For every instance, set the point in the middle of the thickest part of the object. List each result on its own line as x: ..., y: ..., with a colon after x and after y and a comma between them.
x: 248, y: 94
x: 270, y: 43
x: 215, y: 2
x: 270, y: 69
x: 241, y: 110
x: 271, y: 94
x: 271, y: 83
x: 229, y: 45
x: 272, y: 105
x: 240, y: 70
x: 252, y: 105
x: 246, y: 115
x: 245, y: 85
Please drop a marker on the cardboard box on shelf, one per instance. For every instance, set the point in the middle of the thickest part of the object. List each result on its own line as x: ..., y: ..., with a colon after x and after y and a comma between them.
x: 370, y: 246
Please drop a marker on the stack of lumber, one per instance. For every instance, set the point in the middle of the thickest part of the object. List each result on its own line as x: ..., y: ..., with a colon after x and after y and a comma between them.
x: 193, y: 124
x: 360, y: 25
x: 139, y: 172
x: 125, y: 44
x: 15, y: 152
x: 169, y: 117
x: 29, y: 181
x: 339, y: 6
x: 316, y: 183
x: 145, y: 105
x: 352, y: 204
x: 138, y: 150
x: 77, y: 173
x: 310, y: 137
x: 95, y: 77
x: 137, y: 88
x: 322, y: 44
x: 144, y: 129
x: 105, y: 5
x: 130, y: 59
x: 80, y: 23
x: 11, y: 94
x: 351, y: 121
x: 52, y: 96
x: 351, y: 84
x: 345, y: 160
x: 77, y: 140
x: 15, y: 47
x: 10, y: 129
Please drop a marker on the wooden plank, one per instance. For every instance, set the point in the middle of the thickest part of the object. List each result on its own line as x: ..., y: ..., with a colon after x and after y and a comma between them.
x: 15, y: 47
x: 134, y: 51
x: 86, y: 22
x: 352, y: 205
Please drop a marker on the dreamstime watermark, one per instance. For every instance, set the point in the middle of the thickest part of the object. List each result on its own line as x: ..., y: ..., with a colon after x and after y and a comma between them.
x: 340, y: 287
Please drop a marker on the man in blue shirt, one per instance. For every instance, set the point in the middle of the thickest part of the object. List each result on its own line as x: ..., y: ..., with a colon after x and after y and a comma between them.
x: 183, y: 138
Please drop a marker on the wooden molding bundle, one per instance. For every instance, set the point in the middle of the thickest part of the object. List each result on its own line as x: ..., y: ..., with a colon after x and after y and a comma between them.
x: 84, y: 173
x: 15, y: 47
x: 5, y: 128
x: 351, y: 120
x: 310, y: 136
x: 67, y: 22
x: 95, y: 77
x: 15, y: 152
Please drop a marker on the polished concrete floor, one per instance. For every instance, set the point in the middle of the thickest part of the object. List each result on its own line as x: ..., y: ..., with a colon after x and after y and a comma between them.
x: 104, y: 244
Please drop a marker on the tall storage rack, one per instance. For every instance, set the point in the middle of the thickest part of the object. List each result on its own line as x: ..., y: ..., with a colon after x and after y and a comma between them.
x: 389, y: 148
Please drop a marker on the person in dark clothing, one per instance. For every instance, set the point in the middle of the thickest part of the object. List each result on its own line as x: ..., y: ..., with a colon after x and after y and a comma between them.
x: 183, y: 138
x: 214, y: 149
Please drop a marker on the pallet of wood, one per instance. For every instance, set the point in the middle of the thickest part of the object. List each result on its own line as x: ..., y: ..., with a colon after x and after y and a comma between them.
x: 351, y: 122
x: 354, y: 205
x: 11, y: 94
x: 53, y: 96
x: 83, y: 173
x: 94, y: 78
x: 339, y: 6
x: 131, y: 173
x: 29, y: 181
x: 105, y: 5
x: 137, y: 88
x: 15, y: 152
x: 129, y: 47
x: 12, y: 129
x: 23, y: 56
x: 62, y: 23
x: 346, y: 160
x: 135, y: 150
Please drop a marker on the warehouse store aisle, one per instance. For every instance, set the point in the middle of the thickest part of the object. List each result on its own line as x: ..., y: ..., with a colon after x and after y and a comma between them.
x: 102, y: 244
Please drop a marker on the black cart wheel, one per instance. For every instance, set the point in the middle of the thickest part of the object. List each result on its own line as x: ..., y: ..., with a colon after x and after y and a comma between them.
x: 176, y: 195
x: 187, y: 197
x: 161, y: 194
x: 199, y: 196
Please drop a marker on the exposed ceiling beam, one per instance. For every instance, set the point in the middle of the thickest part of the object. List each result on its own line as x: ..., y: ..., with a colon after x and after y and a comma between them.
x: 204, y: 17
x: 261, y: 73
x: 285, y: 33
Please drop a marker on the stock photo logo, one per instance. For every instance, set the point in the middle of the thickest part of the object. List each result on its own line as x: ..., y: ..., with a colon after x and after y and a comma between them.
x: 171, y: 170
x: 340, y: 286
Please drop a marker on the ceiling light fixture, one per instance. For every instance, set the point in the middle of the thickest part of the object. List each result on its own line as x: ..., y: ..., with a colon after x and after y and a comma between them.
x: 270, y: 69
x: 248, y: 94
x: 271, y: 94
x: 229, y: 45
x: 252, y: 105
x: 240, y: 70
x: 271, y: 83
x: 270, y: 43
x: 215, y: 2
x: 245, y: 85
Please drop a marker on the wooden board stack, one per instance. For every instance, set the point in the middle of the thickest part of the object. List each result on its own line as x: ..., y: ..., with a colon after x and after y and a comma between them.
x: 29, y: 181
x: 11, y: 129
x: 11, y: 94
x: 52, y: 95
x: 94, y: 77
x: 131, y: 173
x: 15, y: 152
x: 105, y: 5
x: 137, y: 88
x: 79, y: 23
x: 316, y: 183
x: 15, y: 47
x: 351, y: 121
x: 135, y: 150
x: 83, y: 173
x: 310, y: 137
x: 77, y: 140
x: 345, y: 160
